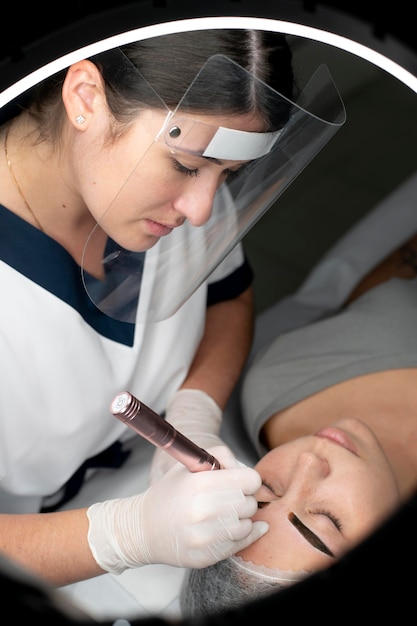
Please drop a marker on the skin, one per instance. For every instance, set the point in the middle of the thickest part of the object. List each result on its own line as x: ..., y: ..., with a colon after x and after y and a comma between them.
x: 307, y: 474
x: 89, y: 178
x: 67, y: 189
x: 338, y: 483
x: 385, y: 401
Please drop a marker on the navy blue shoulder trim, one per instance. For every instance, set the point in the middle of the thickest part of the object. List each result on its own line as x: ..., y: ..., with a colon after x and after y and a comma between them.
x: 232, y: 285
x: 41, y: 259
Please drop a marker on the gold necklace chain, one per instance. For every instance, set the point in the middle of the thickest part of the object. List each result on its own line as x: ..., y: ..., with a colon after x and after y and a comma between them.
x: 9, y: 165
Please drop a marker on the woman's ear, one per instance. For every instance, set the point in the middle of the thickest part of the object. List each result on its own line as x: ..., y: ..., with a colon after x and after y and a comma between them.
x: 82, y: 93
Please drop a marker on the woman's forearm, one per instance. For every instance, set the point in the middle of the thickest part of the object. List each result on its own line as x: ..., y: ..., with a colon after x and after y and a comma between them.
x: 53, y: 546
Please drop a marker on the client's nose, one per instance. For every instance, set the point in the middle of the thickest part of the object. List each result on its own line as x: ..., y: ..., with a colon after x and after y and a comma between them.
x: 311, y: 466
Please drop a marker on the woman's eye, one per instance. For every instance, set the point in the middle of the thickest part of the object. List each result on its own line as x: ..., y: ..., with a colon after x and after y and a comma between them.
x: 185, y: 170
x: 336, y: 521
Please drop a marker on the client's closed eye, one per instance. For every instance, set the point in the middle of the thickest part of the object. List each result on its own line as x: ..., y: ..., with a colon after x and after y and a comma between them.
x: 265, y: 496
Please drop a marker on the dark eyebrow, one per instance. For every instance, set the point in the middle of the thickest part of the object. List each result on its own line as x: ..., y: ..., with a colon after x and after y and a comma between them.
x: 308, y: 534
x: 221, y: 162
x: 214, y: 160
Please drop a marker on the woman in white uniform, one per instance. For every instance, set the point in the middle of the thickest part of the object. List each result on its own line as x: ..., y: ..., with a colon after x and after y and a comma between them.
x: 127, y: 180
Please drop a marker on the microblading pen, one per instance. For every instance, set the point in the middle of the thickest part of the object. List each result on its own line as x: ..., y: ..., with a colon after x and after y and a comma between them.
x: 161, y: 433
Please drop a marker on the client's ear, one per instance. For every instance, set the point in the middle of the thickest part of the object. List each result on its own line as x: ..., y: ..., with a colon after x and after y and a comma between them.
x: 82, y: 92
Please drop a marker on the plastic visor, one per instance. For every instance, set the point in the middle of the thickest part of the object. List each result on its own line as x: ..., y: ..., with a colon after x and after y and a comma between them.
x: 151, y: 285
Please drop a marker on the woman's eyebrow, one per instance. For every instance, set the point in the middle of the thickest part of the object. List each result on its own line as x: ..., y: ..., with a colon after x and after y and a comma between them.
x: 308, y: 534
x: 214, y: 160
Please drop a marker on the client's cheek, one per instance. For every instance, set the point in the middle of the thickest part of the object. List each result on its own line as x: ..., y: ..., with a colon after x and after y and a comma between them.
x: 257, y: 552
x: 260, y: 514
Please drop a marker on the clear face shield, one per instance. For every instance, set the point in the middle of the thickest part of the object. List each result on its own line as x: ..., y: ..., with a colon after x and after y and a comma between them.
x: 149, y: 283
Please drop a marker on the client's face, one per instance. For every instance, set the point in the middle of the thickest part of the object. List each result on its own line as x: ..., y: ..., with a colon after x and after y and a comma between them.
x: 322, y: 494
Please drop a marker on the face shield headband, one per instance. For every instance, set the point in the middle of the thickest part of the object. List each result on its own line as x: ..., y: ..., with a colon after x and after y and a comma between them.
x: 150, y: 285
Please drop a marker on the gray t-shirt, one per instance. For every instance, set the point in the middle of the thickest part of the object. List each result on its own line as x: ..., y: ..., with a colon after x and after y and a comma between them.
x: 378, y: 331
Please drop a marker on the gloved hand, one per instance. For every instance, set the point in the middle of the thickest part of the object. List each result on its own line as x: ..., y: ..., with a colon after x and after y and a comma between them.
x: 185, y: 520
x: 197, y: 416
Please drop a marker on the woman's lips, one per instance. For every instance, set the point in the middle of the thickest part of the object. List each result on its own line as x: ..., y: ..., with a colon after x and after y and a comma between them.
x: 337, y: 436
x: 157, y: 229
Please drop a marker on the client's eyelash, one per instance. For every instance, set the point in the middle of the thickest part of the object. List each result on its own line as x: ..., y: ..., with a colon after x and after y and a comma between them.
x: 336, y: 521
x: 262, y: 505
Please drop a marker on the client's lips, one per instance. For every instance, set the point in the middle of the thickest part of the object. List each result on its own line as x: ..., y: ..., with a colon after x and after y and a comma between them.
x: 337, y: 436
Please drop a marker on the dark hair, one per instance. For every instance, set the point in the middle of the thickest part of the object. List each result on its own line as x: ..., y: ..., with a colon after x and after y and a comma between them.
x: 170, y: 63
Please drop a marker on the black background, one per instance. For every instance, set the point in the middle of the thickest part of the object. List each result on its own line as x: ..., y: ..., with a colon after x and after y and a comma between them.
x: 375, y: 580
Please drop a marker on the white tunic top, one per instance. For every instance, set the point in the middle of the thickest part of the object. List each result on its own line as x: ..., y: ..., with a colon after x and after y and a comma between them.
x: 62, y: 362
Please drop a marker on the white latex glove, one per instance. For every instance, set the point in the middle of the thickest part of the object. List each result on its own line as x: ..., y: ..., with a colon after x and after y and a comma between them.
x: 185, y: 520
x: 197, y: 416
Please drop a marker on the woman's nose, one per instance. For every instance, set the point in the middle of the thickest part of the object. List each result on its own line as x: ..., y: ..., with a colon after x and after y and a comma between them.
x: 310, y: 468
x: 196, y: 203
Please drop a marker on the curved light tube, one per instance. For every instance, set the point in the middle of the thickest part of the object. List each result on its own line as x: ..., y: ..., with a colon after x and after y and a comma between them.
x: 154, y: 30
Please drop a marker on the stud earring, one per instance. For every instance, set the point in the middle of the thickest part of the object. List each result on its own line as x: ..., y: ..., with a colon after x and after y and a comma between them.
x: 80, y: 119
